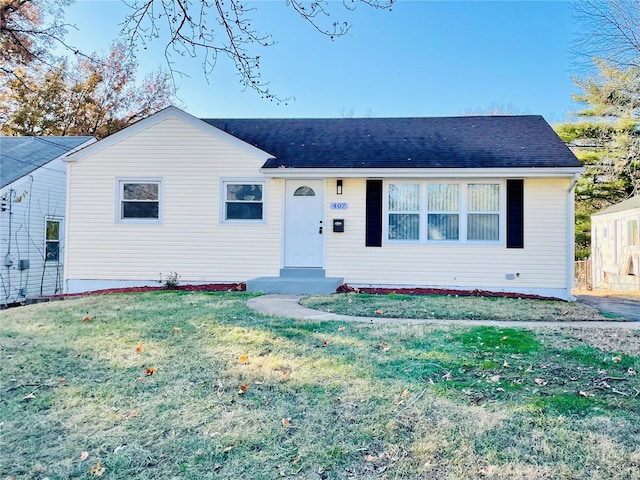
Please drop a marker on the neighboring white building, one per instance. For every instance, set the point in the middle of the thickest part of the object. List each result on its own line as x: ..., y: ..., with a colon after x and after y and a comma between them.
x: 615, y: 247
x: 32, y: 192
x: 303, y: 205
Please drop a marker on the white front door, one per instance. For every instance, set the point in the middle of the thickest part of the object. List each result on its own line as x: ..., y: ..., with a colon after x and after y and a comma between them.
x: 304, y: 223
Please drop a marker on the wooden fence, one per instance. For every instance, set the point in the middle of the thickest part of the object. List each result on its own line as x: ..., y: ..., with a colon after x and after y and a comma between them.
x: 583, y: 274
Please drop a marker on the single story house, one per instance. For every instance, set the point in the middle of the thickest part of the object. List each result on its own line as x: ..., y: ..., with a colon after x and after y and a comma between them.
x: 32, y: 191
x: 615, y: 247
x: 304, y: 205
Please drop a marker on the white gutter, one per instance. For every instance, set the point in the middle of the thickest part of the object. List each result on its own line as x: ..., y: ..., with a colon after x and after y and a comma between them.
x: 421, y: 172
x: 571, y: 240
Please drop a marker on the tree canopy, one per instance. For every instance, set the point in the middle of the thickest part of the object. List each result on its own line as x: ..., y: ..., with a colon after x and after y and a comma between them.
x: 607, y: 141
x: 90, y: 97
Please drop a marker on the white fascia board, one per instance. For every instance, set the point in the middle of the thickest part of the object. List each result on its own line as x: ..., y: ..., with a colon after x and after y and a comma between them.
x: 420, y: 172
x: 169, y: 112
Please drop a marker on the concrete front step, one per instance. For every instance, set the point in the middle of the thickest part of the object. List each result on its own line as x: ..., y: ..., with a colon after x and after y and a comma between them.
x: 295, y: 281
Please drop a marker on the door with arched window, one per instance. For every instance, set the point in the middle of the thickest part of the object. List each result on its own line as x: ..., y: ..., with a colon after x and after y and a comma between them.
x: 304, y: 224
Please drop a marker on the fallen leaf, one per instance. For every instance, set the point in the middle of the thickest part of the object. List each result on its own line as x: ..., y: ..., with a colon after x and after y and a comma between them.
x: 176, y: 329
x: 369, y: 458
x: 286, y: 422
x: 505, y: 364
x: 243, y: 359
x: 405, y: 393
x: 86, y: 318
x: 139, y: 348
x: 97, y: 470
x: 285, y: 372
x: 540, y: 381
x: 378, y: 312
x: 133, y: 414
x: 150, y: 371
x: 62, y: 380
x: 220, y: 392
x: 140, y: 379
x: 495, y: 379
x: 243, y: 388
x: 84, y: 455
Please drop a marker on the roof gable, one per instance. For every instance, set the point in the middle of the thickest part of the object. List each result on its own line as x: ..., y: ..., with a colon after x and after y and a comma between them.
x: 156, y: 118
x: 436, y: 142
x: 19, y: 156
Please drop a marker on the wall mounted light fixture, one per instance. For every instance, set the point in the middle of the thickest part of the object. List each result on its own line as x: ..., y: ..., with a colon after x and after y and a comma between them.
x: 339, y: 187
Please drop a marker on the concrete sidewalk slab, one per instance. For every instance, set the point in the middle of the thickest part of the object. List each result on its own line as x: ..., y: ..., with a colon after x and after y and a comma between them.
x: 288, y: 306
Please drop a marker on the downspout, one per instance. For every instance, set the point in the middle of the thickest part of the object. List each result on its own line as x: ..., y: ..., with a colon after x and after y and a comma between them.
x: 571, y: 241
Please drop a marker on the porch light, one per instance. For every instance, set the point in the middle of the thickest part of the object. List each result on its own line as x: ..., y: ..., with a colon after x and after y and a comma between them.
x: 339, y: 187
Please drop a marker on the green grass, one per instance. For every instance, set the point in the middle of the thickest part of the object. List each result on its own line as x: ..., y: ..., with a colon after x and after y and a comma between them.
x: 453, y: 307
x: 332, y: 400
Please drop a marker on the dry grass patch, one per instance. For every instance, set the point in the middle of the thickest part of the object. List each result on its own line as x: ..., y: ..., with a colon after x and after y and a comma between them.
x: 220, y: 391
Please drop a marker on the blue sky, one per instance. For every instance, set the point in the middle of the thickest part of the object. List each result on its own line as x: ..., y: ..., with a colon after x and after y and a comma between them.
x: 423, y: 58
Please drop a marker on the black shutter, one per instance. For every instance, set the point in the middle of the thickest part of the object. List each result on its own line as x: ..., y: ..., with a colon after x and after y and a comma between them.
x: 515, y: 213
x: 374, y: 214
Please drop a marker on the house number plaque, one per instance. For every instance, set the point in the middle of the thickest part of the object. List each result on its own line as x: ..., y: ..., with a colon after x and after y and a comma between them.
x: 338, y: 205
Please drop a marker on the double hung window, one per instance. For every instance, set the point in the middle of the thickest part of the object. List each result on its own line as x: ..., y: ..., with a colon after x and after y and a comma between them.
x: 139, y: 201
x: 444, y: 211
x: 243, y: 201
x: 52, y: 241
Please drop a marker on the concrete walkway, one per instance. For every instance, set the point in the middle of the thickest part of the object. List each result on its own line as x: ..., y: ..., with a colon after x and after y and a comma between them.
x: 288, y: 306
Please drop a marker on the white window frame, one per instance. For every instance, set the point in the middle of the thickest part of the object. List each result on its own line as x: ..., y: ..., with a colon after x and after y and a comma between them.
x: 120, y: 182
x: 59, y: 240
x: 223, y: 200
x: 463, y: 212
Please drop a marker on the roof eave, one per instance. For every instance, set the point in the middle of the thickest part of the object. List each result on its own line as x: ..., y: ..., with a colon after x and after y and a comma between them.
x: 537, y: 172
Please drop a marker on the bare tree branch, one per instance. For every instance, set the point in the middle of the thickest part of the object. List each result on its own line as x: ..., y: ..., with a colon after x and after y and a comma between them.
x: 610, y: 30
x: 213, y: 27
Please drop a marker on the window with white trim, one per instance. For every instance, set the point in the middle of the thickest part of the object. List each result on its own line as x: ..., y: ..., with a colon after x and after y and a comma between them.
x: 52, y: 241
x: 139, y: 201
x: 243, y: 201
x: 404, y: 211
x: 444, y: 211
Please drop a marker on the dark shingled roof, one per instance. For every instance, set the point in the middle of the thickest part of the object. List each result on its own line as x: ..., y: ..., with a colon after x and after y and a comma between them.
x: 20, y: 156
x: 446, y: 142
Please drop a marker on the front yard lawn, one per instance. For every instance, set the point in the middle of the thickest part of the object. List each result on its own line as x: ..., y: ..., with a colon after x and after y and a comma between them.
x: 453, y: 307
x: 192, y: 385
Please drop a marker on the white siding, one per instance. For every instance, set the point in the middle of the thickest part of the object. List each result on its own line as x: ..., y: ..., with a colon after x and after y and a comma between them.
x: 541, y: 264
x: 191, y: 240
x: 612, y: 251
x: 41, y: 196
